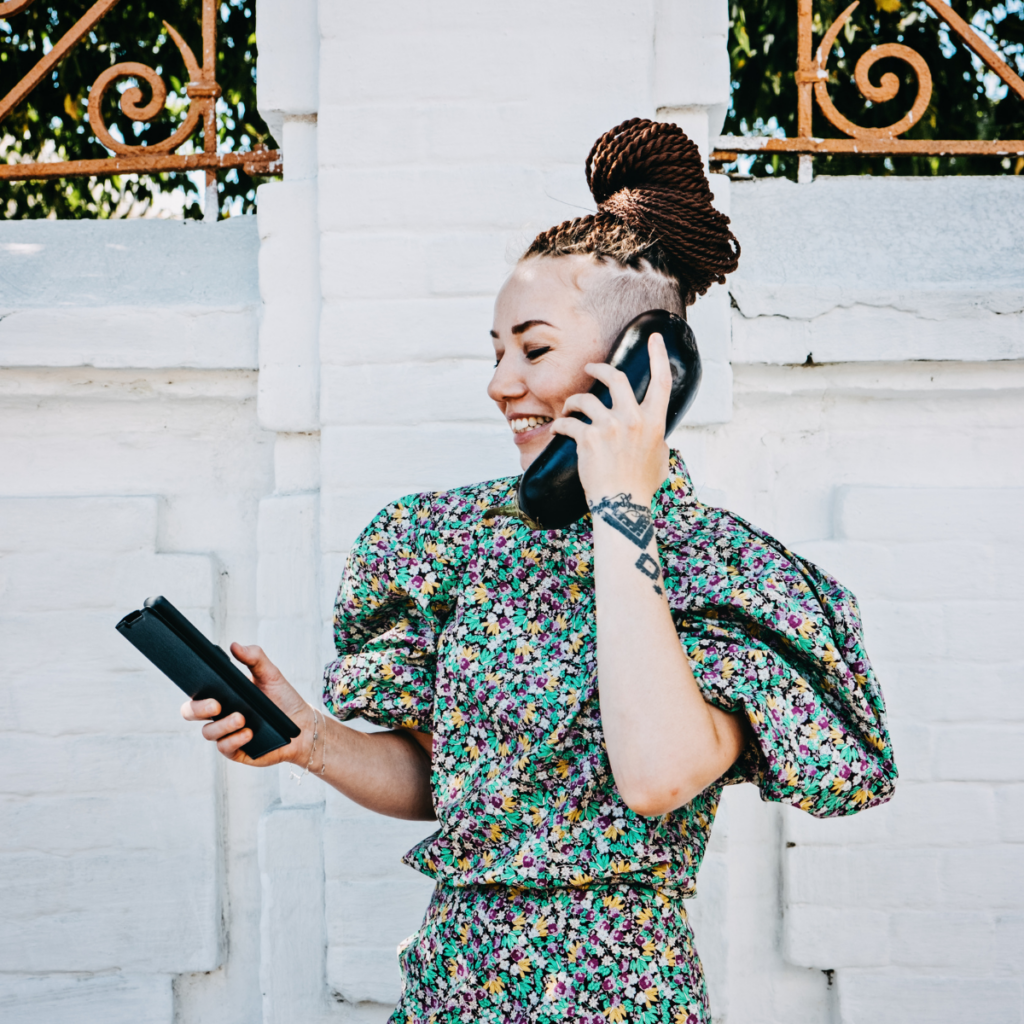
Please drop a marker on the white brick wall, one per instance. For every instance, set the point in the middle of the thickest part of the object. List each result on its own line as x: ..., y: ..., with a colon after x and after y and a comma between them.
x: 424, y: 145
x: 124, y: 883
x: 929, y: 884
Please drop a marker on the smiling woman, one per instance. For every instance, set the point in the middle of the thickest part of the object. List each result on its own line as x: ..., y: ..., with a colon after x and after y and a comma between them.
x: 570, y: 703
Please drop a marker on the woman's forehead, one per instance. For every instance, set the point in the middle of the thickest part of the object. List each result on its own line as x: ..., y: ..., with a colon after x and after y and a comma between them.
x: 542, y: 288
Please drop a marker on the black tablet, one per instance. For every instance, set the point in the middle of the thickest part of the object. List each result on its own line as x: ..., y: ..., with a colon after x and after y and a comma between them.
x: 203, y: 670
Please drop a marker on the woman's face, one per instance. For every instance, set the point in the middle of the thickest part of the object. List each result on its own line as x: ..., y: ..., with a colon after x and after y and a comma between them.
x: 542, y: 340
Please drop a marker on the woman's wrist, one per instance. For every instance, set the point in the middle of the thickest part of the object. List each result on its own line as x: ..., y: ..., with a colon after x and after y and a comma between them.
x: 302, y: 747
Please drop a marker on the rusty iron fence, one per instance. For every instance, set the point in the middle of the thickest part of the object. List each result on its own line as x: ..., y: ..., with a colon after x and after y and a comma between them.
x: 202, y: 92
x: 812, y: 79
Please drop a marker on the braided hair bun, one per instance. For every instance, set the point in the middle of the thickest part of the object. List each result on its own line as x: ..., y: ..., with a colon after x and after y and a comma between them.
x: 653, y: 206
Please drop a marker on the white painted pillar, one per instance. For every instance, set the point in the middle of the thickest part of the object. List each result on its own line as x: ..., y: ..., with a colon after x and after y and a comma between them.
x: 292, y: 937
x: 691, y: 89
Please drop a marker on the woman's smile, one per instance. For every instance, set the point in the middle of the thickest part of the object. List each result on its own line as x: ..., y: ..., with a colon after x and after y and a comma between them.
x: 527, y: 428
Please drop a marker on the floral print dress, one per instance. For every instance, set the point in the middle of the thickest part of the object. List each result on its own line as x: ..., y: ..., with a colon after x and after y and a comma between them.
x: 554, y: 901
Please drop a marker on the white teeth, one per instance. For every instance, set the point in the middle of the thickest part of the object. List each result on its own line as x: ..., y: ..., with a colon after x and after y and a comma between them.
x: 527, y: 423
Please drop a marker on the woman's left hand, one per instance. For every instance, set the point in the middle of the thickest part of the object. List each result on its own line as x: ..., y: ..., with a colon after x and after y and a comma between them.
x: 622, y: 450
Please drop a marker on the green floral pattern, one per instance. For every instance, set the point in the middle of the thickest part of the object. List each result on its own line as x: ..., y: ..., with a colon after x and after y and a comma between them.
x: 482, y: 632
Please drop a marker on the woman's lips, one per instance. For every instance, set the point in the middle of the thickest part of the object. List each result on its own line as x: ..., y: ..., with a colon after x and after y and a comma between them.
x: 526, y: 428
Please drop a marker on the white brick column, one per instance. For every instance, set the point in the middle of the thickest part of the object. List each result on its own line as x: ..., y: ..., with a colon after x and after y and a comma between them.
x: 288, y: 590
x: 691, y: 89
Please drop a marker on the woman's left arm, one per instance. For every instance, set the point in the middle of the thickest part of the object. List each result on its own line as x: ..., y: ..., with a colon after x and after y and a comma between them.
x: 665, y: 743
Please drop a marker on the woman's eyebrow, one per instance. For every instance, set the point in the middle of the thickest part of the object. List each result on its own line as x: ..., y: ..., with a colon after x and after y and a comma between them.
x: 527, y: 324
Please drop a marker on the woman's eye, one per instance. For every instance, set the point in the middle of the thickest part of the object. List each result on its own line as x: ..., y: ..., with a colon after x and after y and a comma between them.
x: 535, y: 353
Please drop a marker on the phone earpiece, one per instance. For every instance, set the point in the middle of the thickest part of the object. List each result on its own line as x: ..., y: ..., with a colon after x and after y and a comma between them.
x: 550, y: 494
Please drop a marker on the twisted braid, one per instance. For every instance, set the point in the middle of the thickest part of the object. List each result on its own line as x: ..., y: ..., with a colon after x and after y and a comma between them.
x: 654, y: 206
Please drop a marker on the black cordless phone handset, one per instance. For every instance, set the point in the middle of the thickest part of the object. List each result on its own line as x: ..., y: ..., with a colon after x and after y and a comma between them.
x: 550, y: 495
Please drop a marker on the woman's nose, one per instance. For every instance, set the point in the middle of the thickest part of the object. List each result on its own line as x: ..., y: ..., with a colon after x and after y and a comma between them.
x: 506, y: 383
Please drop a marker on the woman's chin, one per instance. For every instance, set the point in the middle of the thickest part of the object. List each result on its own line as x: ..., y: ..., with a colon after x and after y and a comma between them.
x: 531, y: 445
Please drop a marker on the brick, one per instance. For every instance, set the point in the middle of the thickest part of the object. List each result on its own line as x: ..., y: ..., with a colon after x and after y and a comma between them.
x: 982, y: 631
x: 472, y: 262
x: 472, y: 131
x: 289, y: 42
x: 453, y: 56
x: 372, y: 266
x: 100, y: 911
x: 71, y: 999
x: 365, y: 975
x: 977, y: 753
x: 143, y: 700
x: 871, y: 827
x: 903, y: 997
x: 924, y: 815
x: 1009, y: 801
x: 170, y: 764
x: 961, y: 940
x: 954, y: 691
x: 691, y: 63
x: 51, y: 525
x: 371, y: 331
x: 901, y: 630
x: 926, y: 514
x: 831, y: 937
x: 57, y: 582
x: 452, y: 390
x: 713, y: 403
x: 936, y: 571
x: 289, y: 240
x: 132, y: 336
x: 371, y: 135
x: 864, y: 877
x: 399, y: 198
x: 88, y: 637
x: 431, y: 456
x: 358, y: 848
x: 984, y: 877
x: 291, y: 919
x: 914, y: 744
x: 1008, y: 943
x: 288, y: 528
x: 376, y: 911
x: 103, y: 821
x: 366, y: 922
x: 296, y: 463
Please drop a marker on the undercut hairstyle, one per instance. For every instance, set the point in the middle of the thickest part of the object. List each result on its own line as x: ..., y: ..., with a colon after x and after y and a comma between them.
x: 654, y: 220
x: 624, y: 292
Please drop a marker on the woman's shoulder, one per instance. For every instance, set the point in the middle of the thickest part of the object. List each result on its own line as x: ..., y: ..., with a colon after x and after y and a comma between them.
x: 428, y: 513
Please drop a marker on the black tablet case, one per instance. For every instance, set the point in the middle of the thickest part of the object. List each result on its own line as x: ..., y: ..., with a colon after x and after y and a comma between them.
x: 203, y: 670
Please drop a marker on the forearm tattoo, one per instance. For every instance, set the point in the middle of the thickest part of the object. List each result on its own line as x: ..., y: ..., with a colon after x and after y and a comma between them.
x: 632, y: 521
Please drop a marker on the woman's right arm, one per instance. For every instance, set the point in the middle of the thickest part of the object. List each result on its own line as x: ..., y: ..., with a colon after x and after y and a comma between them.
x: 388, y: 772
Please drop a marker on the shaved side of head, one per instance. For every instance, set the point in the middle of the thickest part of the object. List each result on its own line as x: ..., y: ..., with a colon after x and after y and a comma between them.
x: 614, y: 295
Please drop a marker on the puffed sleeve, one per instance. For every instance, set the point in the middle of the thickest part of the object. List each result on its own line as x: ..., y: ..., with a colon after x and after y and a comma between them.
x: 390, y: 609
x: 773, y: 636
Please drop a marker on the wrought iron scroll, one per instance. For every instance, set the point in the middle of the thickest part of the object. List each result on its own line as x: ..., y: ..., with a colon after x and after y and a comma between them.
x: 812, y: 85
x: 202, y: 91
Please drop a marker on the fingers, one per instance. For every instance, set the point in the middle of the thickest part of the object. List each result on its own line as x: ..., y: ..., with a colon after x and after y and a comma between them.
x: 590, y: 405
x: 231, y: 746
x: 617, y: 383
x: 253, y: 657
x: 199, y: 710
x: 249, y: 656
x: 569, y: 426
x: 225, y: 726
x: 660, y: 387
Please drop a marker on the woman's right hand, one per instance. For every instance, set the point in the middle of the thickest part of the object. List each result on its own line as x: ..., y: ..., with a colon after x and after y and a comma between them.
x: 231, y: 733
